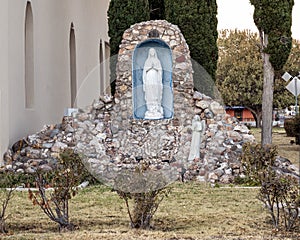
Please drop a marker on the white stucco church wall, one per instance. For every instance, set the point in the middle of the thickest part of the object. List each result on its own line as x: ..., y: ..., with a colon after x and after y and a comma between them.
x: 40, y: 54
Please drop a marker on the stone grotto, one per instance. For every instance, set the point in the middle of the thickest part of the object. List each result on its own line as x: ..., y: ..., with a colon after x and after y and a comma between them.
x: 136, y: 154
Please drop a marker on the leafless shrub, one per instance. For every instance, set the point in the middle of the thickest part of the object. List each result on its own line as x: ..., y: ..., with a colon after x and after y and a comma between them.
x: 64, y: 180
x: 5, y: 196
x: 144, y: 206
x: 279, y: 192
x: 8, y: 182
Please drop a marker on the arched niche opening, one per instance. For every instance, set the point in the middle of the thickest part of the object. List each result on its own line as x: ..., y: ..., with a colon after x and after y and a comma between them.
x: 73, y: 79
x: 101, y: 62
x: 29, y: 57
x: 104, y: 52
x: 140, y: 55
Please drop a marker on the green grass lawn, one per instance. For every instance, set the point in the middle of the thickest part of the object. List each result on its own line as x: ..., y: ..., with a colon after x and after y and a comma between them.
x: 191, y: 211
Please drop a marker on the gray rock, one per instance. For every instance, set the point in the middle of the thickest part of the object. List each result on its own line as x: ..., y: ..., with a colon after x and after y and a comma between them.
x: 30, y: 170
x: 217, y: 108
x: 53, y: 133
x: 235, y: 136
x: 20, y: 170
x: 58, y: 146
x: 97, y: 105
x: 33, y: 153
x: 202, y: 104
x: 47, y: 144
x: 226, y: 179
x: 45, y: 168
x: 208, y: 114
x: 69, y: 129
x: 197, y: 96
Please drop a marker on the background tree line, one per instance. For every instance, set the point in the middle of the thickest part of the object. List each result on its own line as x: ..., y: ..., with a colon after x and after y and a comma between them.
x: 240, y: 72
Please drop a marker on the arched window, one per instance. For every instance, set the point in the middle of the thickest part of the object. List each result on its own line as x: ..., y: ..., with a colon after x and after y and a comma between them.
x: 101, y: 59
x: 73, y: 80
x: 107, y: 73
x: 104, y: 52
x: 29, y: 58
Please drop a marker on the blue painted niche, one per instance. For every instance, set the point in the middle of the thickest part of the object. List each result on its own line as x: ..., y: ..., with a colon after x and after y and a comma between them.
x: 139, y: 57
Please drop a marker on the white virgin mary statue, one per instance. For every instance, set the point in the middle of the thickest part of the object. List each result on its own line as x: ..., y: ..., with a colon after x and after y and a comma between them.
x: 197, y: 127
x: 152, y: 86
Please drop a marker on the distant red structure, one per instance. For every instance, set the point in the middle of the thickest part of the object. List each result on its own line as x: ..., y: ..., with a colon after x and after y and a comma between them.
x: 241, y: 113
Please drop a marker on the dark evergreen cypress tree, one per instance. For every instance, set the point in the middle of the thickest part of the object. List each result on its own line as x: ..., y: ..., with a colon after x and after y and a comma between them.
x: 273, y: 20
x: 121, y: 15
x: 157, y: 9
x: 197, y: 20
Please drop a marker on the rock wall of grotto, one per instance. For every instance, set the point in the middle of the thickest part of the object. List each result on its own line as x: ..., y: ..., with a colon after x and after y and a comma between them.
x: 113, y: 143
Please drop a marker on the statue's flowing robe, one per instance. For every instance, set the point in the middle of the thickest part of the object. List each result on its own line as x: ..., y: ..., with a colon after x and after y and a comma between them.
x: 152, y: 82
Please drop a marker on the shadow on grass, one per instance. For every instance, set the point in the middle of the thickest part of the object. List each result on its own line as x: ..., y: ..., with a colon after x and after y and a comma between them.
x: 174, y: 225
x: 110, y: 223
x: 33, y: 227
x: 81, y: 224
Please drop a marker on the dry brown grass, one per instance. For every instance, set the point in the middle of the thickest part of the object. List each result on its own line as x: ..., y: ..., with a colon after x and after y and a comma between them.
x: 285, y: 148
x: 192, y: 211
